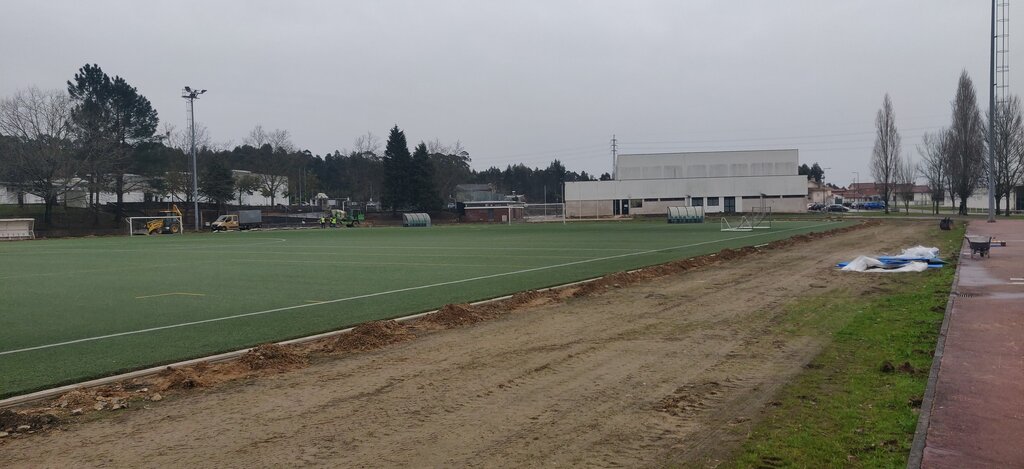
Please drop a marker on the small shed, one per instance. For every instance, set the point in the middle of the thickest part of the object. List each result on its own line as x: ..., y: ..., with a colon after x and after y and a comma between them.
x: 415, y: 219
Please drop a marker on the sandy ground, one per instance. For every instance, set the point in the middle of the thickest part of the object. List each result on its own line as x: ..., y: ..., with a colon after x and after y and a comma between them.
x: 674, y: 370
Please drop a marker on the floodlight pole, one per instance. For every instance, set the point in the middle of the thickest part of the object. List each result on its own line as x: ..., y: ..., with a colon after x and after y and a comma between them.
x: 191, y: 95
x: 991, y: 122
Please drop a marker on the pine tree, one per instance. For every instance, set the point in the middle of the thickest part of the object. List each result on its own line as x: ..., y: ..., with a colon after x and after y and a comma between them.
x: 397, y: 172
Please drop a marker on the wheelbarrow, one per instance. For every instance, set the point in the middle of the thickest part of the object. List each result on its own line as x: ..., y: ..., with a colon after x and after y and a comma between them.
x: 980, y: 245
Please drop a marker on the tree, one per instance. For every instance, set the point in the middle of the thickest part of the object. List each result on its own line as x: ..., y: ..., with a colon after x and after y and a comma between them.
x: 1008, y: 143
x: 816, y: 173
x: 397, y: 165
x: 966, y: 144
x: 246, y: 184
x: 217, y: 183
x: 422, y: 192
x: 804, y: 170
x: 885, y: 158
x: 279, y: 140
x: 933, y: 166
x: 906, y: 175
x: 39, y: 126
x: 113, y: 118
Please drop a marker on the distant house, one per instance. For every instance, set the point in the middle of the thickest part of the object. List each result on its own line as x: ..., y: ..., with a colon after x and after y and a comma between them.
x: 475, y: 193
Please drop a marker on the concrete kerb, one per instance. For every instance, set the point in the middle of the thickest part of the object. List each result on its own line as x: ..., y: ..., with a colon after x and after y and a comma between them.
x: 921, y: 433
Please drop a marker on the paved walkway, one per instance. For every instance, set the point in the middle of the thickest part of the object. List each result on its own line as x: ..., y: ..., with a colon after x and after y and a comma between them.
x: 976, y: 416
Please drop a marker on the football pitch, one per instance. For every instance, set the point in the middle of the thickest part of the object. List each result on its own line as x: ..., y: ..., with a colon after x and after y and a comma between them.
x: 74, y: 309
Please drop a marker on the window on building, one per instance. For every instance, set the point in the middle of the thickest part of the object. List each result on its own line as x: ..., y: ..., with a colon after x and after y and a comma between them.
x: 712, y: 201
x: 636, y: 203
x: 696, y: 201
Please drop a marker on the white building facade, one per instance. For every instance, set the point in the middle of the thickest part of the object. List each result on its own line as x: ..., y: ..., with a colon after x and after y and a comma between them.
x: 721, y: 182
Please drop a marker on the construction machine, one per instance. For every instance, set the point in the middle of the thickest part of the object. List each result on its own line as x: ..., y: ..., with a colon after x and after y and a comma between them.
x: 168, y: 224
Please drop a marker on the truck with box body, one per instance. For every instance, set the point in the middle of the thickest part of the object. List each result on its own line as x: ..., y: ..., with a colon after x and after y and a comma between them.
x: 243, y: 220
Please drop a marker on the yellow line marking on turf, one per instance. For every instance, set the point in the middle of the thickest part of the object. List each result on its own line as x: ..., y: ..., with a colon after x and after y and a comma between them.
x: 169, y: 294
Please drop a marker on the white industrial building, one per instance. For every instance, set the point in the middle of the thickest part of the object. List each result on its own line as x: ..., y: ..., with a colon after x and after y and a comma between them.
x: 720, y: 181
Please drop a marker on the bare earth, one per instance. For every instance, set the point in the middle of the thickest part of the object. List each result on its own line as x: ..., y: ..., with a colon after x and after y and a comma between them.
x: 670, y: 371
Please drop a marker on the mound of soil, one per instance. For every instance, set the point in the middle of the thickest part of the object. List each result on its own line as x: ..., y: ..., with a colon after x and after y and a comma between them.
x: 178, y: 378
x: 74, y: 400
x: 273, y: 356
x: 454, y: 315
x: 11, y: 420
x: 370, y: 336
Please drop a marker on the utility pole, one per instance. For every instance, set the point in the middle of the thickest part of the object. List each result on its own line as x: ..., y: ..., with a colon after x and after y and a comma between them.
x: 615, y: 157
x: 191, y: 95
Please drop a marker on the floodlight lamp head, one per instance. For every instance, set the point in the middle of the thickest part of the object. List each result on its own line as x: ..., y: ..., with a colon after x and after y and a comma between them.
x: 203, y: 91
x: 188, y: 90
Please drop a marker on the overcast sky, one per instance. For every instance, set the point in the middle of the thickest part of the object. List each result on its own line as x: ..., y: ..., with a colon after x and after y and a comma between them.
x: 519, y: 81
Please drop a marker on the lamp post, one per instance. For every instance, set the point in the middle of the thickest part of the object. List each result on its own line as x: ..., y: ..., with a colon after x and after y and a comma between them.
x: 191, y: 95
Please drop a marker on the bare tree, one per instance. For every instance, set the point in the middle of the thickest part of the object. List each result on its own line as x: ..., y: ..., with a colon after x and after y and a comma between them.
x: 933, y: 166
x: 279, y: 140
x: 906, y: 176
x: 365, y: 145
x: 885, y: 158
x: 966, y: 144
x: 1008, y: 139
x: 40, y: 123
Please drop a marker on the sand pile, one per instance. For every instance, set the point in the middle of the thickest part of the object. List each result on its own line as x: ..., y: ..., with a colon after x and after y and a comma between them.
x: 370, y: 336
x: 273, y: 356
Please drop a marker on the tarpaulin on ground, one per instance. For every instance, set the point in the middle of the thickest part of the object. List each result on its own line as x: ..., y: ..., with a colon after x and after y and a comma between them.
x: 915, y: 259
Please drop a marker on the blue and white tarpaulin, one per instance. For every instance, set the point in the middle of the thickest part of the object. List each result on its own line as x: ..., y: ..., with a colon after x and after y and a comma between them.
x: 915, y: 259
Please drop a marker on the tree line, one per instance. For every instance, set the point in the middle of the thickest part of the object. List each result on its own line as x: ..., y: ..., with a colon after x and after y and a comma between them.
x: 954, y: 159
x: 100, y: 135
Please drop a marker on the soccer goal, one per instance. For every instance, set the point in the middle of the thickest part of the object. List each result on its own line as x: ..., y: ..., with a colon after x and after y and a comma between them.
x: 744, y: 224
x: 17, y: 228
x: 761, y: 218
x: 167, y: 224
x: 533, y: 213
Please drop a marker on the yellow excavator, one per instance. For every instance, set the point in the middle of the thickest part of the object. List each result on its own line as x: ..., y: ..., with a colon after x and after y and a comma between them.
x: 168, y: 224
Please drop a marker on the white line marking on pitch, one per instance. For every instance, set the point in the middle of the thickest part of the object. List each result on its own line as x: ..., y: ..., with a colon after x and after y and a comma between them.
x: 1016, y: 279
x: 383, y: 293
x: 169, y: 294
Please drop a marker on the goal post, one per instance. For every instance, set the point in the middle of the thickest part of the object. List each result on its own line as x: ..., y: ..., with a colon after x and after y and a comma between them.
x: 167, y: 224
x: 17, y: 228
x: 535, y: 213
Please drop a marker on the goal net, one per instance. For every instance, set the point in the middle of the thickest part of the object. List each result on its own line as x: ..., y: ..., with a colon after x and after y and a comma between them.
x: 167, y: 224
x: 543, y: 213
x: 17, y: 228
x: 761, y: 218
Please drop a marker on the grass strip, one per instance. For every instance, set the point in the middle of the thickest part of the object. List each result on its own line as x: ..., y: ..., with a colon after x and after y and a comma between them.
x: 857, y: 403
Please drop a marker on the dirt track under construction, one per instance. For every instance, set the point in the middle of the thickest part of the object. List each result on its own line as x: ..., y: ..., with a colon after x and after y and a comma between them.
x: 672, y: 365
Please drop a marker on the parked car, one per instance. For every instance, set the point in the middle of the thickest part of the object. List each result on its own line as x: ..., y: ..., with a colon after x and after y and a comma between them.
x: 815, y: 207
x: 836, y: 208
x: 874, y: 205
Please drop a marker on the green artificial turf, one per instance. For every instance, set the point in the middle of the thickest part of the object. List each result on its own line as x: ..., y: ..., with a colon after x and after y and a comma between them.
x: 142, y: 292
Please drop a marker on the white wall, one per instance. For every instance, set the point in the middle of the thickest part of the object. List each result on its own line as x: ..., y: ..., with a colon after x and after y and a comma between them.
x: 693, y: 187
x: 707, y: 164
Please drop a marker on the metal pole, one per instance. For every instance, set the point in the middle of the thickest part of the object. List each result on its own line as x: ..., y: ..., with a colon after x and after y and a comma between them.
x: 991, y: 121
x: 195, y: 177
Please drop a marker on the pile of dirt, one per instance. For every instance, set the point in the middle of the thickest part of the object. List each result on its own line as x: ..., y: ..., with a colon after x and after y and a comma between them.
x: 75, y: 400
x: 371, y: 336
x: 11, y: 421
x: 454, y: 315
x: 179, y: 378
x: 273, y: 356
